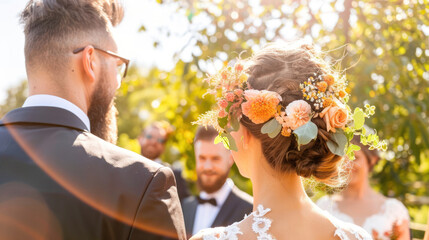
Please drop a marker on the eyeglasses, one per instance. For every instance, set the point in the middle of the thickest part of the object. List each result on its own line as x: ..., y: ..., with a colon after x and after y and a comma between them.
x: 122, y: 66
x: 159, y: 140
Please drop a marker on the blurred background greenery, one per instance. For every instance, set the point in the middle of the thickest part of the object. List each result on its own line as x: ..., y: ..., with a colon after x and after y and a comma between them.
x: 383, y: 45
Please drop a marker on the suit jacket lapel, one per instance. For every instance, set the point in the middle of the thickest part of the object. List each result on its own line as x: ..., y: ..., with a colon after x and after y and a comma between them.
x: 43, y: 115
x: 227, y: 207
x: 189, y: 215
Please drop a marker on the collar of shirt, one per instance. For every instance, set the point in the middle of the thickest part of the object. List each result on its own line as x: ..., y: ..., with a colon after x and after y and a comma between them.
x: 221, y: 194
x: 44, y: 100
x: 205, y: 214
x: 158, y: 160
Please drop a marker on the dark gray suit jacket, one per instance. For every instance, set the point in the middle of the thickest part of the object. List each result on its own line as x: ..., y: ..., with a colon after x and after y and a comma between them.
x: 236, y: 205
x: 59, y: 181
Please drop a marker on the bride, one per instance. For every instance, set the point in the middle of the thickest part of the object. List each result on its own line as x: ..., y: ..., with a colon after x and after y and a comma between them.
x: 283, y: 114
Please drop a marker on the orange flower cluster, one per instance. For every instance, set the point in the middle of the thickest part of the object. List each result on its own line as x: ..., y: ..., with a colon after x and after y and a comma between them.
x: 260, y: 106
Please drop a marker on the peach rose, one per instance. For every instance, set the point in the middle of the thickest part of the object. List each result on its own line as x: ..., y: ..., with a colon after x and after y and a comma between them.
x: 298, y: 113
x: 334, y: 117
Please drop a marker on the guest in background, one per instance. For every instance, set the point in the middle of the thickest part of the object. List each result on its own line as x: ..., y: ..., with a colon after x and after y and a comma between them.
x: 152, y: 141
x: 384, y: 218
x: 219, y: 203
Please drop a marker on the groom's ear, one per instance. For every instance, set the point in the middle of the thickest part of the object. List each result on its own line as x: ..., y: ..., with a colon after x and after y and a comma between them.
x: 89, y: 62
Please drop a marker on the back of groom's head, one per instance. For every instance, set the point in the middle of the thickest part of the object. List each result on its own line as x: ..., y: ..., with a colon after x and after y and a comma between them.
x: 53, y: 28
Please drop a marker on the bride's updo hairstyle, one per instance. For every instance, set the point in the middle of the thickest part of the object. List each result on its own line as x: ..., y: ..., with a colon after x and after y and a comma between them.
x: 282, y: 68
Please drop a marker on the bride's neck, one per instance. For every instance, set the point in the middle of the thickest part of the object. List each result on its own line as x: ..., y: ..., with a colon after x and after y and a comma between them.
x: 279, y: 191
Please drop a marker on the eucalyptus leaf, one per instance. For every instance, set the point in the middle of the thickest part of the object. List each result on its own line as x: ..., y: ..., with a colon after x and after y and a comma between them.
x: 358, y: 118
x: 229, y: 141
x: 235, y: 124
x: 306, y: 133
x: 272, y: 128
x: 338, y: 143
x: 276, y: 132
x: 232, y: 144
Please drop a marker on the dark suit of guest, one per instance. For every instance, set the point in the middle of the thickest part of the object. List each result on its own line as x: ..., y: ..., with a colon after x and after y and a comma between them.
x: 235, y: 207
x: 59, y: 181
x: 182, y: 185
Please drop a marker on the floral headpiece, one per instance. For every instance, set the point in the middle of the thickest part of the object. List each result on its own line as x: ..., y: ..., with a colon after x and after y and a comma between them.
x: 328, y: 94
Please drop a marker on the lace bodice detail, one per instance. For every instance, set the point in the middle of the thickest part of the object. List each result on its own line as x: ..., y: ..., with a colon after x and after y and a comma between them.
x: 261, y: 226
x: 391, y: 212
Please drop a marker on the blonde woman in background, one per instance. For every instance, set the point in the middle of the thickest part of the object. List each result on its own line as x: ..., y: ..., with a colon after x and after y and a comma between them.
x: 384, y: 218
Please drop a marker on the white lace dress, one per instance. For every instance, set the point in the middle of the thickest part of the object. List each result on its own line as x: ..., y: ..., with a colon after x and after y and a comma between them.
x: 261, y: 226
x: 378, y: 225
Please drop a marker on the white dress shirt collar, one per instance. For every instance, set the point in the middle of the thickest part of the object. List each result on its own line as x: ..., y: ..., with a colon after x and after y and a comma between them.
x: 44, y: 100
x: 221, y: 194
x: 158, y: 160
x: 205, y: 214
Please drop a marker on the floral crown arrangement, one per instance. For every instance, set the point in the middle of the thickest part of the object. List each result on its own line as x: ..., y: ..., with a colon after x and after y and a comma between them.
x: 328, y: 94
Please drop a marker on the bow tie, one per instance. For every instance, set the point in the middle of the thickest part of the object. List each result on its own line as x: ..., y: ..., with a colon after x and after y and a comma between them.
x: 211, y: 201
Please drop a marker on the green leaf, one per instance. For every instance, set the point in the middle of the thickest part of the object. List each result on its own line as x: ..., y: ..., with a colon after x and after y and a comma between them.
x: 235, y: 124
x: 275, y: 133
x: 232, y: 145
x: 222, y: 138
x: 351, y: 149
x: 228, y: 141
x: 272, y: 128
x: 222, y: 122
x: 358, y: 118
x: 306, y: 133
x: 338, y: 143
x: 218, y: 139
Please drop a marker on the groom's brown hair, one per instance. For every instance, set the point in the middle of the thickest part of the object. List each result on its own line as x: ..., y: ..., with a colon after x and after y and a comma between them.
x: 53, y: 28
x: 205, y: 134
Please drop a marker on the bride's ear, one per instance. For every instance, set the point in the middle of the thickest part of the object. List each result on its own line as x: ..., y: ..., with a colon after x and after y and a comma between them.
x: 246, y: 137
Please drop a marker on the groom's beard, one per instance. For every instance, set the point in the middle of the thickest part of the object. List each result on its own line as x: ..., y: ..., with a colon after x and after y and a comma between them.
x: 102, y: 113
x: 216, y: 181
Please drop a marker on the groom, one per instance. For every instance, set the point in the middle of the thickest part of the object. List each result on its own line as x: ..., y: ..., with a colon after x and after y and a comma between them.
x: 58, y: 178
x: 220, y: 202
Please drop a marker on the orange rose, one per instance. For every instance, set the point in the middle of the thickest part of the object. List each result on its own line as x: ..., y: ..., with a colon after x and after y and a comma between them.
x: 334, y: 117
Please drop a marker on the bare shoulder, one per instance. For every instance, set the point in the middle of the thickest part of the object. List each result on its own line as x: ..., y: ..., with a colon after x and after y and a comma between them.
x: 349, y: 231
